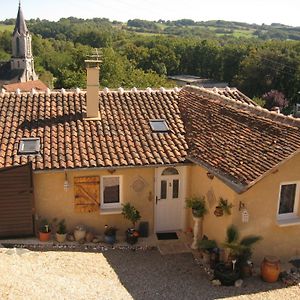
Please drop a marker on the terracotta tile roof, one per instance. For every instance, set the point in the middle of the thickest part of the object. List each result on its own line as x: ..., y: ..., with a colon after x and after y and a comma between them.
x: 233, y: 93
x: 237, y: 142
x: 122, y: 137
x: 26, y: 86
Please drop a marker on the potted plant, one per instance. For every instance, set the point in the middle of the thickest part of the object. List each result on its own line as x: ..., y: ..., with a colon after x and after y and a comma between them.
x: 44, y: 231
x: 61, y: 232
x: 198, y: 206
x: 132, y: 214
x: 227, y: 274
x: 209, y: 249
x: 240, y: 249
x: 223, y: 207
x: 79, y: 233
x: 110, y: 234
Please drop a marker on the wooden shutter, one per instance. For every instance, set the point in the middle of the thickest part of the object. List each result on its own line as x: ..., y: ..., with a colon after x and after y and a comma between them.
x: 87, y: 194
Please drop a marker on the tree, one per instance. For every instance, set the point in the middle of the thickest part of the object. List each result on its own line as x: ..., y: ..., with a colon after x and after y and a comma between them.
x: 275, y: 98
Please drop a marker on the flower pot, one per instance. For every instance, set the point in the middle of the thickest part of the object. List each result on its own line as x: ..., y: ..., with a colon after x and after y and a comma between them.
x: 61, y: 237
x: 132, y: 236
x: 206, y: 257
x: 110, y: 239
x: 79, y: 234
x: 44, y: 236
x: 270, y: 269
x: 218, y: 211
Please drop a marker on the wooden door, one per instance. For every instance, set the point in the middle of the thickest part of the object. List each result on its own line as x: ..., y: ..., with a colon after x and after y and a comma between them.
x: 16, y: 202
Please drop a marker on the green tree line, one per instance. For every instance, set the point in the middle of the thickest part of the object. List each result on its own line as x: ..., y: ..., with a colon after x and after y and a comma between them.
x: 129, y: 59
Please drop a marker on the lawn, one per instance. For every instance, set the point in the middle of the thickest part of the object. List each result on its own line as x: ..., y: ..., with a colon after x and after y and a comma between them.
x: 4, y: 27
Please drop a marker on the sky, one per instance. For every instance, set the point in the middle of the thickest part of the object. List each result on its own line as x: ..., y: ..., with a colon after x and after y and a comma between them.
x: 250, y: 11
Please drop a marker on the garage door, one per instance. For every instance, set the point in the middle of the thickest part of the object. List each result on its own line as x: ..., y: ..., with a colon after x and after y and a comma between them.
x: 16, y: 202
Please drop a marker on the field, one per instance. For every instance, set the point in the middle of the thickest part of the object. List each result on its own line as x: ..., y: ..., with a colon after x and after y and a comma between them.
x: 4, y: 27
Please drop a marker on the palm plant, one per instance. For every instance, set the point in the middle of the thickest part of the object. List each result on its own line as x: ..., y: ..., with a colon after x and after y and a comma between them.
x: 240, y: 249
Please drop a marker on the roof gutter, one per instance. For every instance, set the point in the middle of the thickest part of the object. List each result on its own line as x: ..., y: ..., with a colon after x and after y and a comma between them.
x: 109, y: 168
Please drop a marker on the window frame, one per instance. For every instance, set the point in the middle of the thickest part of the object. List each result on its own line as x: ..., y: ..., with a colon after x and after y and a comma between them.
x: 111, y: 205
x: 293, y: 214
x: 157, y: 121
x: 23, y: 142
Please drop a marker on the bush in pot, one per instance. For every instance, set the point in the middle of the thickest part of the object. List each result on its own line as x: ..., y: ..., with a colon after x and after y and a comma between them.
x: 61, y: 232
x: 209, y: 250
x: 198, y: 206
x: 44, y: 230
x: 132, y: 214
x: 110, y: 234
x: 240, y: 249
x: 79, y: 233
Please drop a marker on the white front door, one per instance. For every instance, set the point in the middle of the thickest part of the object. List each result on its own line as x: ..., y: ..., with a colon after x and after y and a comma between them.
x: 169, y: 200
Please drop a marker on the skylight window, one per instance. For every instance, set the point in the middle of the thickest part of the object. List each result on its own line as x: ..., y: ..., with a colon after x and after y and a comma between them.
x: 29, y: 146
x: 159, y: 125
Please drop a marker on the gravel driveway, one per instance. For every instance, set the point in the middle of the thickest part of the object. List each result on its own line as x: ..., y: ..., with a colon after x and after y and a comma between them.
x: 118, y: 274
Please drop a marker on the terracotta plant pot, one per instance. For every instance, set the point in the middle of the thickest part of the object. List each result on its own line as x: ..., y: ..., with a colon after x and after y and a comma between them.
x: 218, y: 211
x: 44, y: 236
x: 61, y: 238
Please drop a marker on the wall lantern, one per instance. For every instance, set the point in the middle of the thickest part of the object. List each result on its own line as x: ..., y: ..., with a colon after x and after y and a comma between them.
x: 210, y: 175
x: 66, y: 183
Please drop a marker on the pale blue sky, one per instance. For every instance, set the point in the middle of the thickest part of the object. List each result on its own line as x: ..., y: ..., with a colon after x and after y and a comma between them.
x: 250, y: 11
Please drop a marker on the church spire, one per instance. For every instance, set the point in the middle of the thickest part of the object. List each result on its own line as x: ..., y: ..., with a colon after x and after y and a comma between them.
x: 21, y: 26
x: 22, y: 58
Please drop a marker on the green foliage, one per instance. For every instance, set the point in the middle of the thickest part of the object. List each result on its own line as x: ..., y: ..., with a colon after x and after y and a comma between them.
x: 198, y: 205
x: 110, y: 230
x: 61, y: 227
x: 241, y: 250
x: 261, y: 102
x: 226, y: 207
x: 44, y: 226
x: 130, y: 213
x: 206, y: 244
x: 253, y: 65
x: 232, y: 234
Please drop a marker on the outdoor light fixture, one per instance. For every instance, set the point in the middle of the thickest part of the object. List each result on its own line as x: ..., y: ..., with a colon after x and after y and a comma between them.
x: 66, y: 183
x: 210, y: 175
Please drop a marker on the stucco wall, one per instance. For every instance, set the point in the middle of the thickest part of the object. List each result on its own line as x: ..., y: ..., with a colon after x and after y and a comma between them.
x: 52, y: 201
x: 262, y: 203
x: 200, y: 185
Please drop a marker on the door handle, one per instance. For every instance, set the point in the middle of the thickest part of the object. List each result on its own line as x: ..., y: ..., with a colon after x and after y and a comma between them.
x: 156, y: 199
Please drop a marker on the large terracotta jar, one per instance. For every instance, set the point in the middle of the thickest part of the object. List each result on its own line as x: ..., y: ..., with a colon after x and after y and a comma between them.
x: 270, y: 268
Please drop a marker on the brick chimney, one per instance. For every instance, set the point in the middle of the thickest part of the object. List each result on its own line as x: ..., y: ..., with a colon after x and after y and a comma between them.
x: 92, y: 88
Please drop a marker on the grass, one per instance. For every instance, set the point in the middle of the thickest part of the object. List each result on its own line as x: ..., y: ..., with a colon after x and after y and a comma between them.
x: 4, y: 27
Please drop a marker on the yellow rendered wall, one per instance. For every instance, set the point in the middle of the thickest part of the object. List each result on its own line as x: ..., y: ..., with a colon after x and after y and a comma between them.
x: 262, y: 204
x: 200, y: 185
x: 52, y: 201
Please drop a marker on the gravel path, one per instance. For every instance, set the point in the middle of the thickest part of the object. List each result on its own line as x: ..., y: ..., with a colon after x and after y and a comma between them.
x: 118, y: 274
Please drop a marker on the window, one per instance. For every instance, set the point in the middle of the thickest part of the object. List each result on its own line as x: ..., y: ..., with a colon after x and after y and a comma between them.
x: 170, y: 171
x: 159, y: 125
x: 29, y: 146
x: 111, y: 192
x: 288, y: 201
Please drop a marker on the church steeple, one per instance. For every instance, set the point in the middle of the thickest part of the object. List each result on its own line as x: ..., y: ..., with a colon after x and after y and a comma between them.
x: 21, y: 26
x: 22, y: 58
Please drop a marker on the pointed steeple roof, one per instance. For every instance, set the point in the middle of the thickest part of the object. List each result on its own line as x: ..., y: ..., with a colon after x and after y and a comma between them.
x: 21, y: 26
